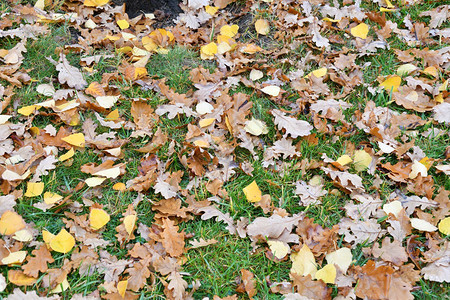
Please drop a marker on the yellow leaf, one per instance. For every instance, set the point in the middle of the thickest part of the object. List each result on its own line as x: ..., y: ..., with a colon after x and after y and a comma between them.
x: 422, y: 225
x: 427, y: 162
x: 114, y: 151
x: 76, y: 139
x: 108, y: 173
x: 444, y: 226
x: 14, y: 258
x: 342, y: 258
x: 123, y: 24
x: 124, y: 50
x: 211, y: 10
x: 251, y: 49
x: 262, y: 26
x: 394, y: 207
x: 252, y: 192
x: 256, y: 127
x: 443, y: 87
x: 279, y: 249
x: 130, y: 222
x: 19, y: 278
x: 98, y: 218
x: 432, y: 71
x: 360, y: 31
x: 362, y: 160
x: 271, y: 90
x: 67, y: 155
x: 201, y: 143
x: 51, y: 198
x: 122, y: 287
x: 228, y: 30
x: 208, y: 51
x: 40, y: 4
x: 206, y: 122
x: 223, y: 48
x: 327, y: 274
x: 47, y: 237
x: 63, y: 242
x: 95, y: 3
x: 34, y: 189
x: 23, y: 235
x: 389, y: 4
x: 149, y: 44
x: 163, y: 32
x: 120, y: 186
x: 28, y: 110
x: 318, y: 73
x: 344, y: 160
x: 303, y: 262
x: 391, y: 83
x: 331, y: 20
x: 94, y: 181
x: 140, y: 72
x: 439, y: 98
x: 112, y: 116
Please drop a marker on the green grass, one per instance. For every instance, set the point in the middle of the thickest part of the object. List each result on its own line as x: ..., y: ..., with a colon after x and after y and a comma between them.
x: 217, y: 266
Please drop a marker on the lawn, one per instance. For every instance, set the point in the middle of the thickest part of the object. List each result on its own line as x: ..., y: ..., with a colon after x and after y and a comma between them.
x: 252, y: 150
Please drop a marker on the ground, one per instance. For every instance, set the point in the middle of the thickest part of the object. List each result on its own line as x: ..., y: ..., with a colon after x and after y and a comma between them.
x: 230, y: 150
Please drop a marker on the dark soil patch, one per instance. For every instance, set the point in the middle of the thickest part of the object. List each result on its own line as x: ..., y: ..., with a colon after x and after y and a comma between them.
x: 163, y: 9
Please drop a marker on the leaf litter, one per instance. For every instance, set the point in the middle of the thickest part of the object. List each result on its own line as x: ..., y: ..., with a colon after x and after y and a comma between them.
x: 403, y: 235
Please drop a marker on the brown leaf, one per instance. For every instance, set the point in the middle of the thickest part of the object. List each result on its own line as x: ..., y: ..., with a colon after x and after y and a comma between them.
x: 68, y: 74
x: 373, y: 282
x: 248, y: 284
x: 390, y: 251
x: 38, y: 263
x: 138, y: 275
x: 172, y: 240
x: 305, y: 286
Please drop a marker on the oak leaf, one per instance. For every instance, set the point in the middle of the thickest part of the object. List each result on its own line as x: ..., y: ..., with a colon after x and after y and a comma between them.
x: 68, y: 74
x: 293, y: 127
x: 38, y: 262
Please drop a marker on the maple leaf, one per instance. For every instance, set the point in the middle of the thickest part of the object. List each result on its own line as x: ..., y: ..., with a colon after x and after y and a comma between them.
x: 38, y: 263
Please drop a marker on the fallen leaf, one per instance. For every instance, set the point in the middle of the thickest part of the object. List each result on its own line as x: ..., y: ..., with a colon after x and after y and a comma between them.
x: 391, y: 83
x: 262, y: 26
x: 76, y: 139
x: 327, y: 274
x: 10, y: 222
x: 422, y: 225
x: 279, y: 249
x: 252, y: 192
x: 14, y: 258
x: 271, y: 90
x: 360, y: 31
x: 342, y: 258
x: 34, y: 189
x: 130, y: 223
x: 95, y: 3
x: 361, y: 160
x: 444, y: 226
x: 229, y: 31
x: 303, y: 262
x: 63, y: 242
x: 19, y: 278
x: 98, y: 218
x: 256, y: 127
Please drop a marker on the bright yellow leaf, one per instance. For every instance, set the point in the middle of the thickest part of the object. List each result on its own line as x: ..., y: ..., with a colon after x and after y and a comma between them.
x: 123, y: 24
x: 64, y: 285
x: 360, y: 31
x: 130, y: 223
x: 211, y: 10
x: 76, y: 139
x: 262, y: 26
x: 67, y: 155
x: 279, y: 249
x: 119, y: 186
x: 327, y: 274
x: 98, y: 218
x: 206, y: 122
x: 303, y: 262
x: 208, y: 51
x: 344, y: 160
x: 361, y: 160
x: 228, y: 30
x: 28, y: 110
x: 112, y: 116
x: 318, y: 73
x: 47, y: 237
x: 444, y: 226
x: 10, y: 222
x: 51, y: 198
x: 34, y: 189
x: 432, y: 71
x: 63, y: 242
x: 95, y: 3
x: 122, y: 287
x: 391, y: 83
x: 252, y: 192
